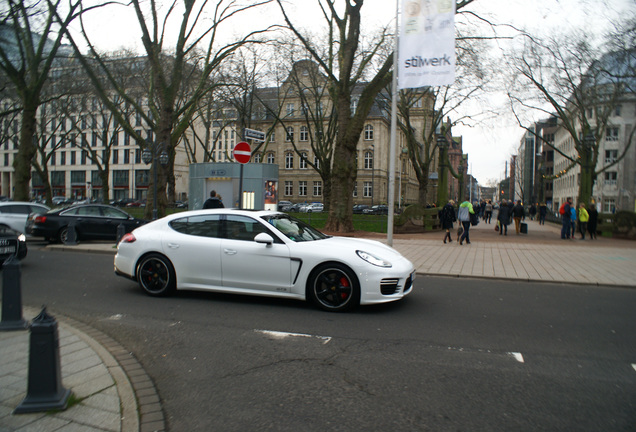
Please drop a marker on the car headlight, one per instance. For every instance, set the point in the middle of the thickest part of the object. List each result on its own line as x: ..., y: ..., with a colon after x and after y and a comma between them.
x: 372, y: 259
x: 22, y: 238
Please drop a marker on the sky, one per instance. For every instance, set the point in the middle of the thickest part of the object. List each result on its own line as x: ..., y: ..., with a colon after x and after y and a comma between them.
x: 489, y: 143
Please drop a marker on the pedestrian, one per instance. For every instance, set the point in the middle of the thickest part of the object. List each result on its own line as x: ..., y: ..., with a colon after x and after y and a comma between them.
x: 591, y: 223
x: 584, y: 217
x: 572, y: 220
x: 213, y: 202
x: 465, y: 210
x: 447, y: 217
x: 566, y: 214
x: 518, y: 213
x: 532, y: 211
x: 488, y: 212
x: 503, y: 217
x: 543, y: 211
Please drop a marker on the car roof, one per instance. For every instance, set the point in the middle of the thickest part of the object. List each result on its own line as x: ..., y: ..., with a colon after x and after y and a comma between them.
x: 5, y: 203
x: 253, y: 213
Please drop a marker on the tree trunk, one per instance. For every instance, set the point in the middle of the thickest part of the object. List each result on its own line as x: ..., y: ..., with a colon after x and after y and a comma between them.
x: 26, y: 151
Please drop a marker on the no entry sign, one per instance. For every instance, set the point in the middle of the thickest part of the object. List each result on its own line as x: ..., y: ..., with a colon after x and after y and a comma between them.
x: 242, y: 152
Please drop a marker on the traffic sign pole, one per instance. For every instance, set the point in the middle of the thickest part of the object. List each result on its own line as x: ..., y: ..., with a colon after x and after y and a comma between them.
x: 242, y: 154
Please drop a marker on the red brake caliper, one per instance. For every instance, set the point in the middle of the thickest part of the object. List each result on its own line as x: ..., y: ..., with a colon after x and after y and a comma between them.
x: 345, y: 283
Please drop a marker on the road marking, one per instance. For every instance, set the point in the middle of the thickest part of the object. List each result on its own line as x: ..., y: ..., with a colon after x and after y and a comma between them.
x: 517, y: 356
x: 284, y: 335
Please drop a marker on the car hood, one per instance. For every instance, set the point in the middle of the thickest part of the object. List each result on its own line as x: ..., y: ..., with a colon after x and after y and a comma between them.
x: 366, y: 245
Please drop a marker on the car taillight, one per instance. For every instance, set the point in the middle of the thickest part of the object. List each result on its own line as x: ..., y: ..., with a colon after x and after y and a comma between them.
x: 128, y: 238
x: 39, y: 219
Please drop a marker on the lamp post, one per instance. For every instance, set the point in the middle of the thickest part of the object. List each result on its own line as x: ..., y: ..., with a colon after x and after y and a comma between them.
x: 151, y: 154
x: 460, y: 171
x: 372, y: 173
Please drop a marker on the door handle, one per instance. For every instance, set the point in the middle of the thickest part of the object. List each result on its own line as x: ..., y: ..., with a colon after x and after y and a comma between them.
x: 173, y: 246
x: 229, y: 251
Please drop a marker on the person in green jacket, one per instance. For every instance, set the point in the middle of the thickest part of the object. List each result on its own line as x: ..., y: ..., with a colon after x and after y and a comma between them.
x: 465, y: 210
x: 583, y: 218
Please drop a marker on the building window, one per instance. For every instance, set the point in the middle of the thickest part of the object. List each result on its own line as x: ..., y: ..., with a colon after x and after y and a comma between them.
x: 355, y: 189
x: 611, y: 134
x: 290, y: 109
x: 126, y: 156
x: 115, y: 156
x: 289, y: 188
x: 73, y: 158
x: 316, y: 162
x: 611, y: 177
x: 302, y: 188
x: 270, y: 158
x: 317, y: 188
x: 368, y: 160
x: 609, y: 205
x: 290, y: 134
x: 120, y: 178
x: 84, y: 155
x: 368, y: 132
x: 6, y: 159
x: 272, y: 136
x: 303, y: 161
x: 63, y: 158
x: 258, y: 157
x: 611, y: 156
x: 617, y: 110
x: 354, y: 106
x: 304, y: 133
x: 368, y: 190
x: 289, y: 160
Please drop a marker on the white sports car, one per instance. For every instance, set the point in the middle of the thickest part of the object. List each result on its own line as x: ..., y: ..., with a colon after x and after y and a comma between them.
x: 261, y: 253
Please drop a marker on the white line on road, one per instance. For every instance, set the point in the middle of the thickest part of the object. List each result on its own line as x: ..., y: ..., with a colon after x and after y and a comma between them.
x: 284, y: 335
x: 517, y: 356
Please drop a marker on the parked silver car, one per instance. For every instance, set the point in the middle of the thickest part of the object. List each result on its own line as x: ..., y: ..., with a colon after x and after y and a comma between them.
x: 14, y: 214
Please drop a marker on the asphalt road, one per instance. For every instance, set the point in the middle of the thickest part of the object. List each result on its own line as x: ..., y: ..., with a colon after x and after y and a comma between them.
x: 456, y: 355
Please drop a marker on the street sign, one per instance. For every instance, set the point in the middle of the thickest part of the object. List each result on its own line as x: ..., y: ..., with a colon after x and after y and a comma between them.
x: 242, y: 152
x: 254, y: 134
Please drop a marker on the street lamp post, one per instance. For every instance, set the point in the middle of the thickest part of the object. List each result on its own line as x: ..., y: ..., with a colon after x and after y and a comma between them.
x: 372, y: 173
x: 442, y: 178
x: 151, y: 154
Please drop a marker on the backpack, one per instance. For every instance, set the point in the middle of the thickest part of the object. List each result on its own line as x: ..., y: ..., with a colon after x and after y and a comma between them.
x: 562, y: 209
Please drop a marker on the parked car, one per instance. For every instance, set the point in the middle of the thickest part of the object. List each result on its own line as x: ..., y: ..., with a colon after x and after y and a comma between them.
x: 295, y: 208
x: 91, y: 222
x: 14, y: 214
x: 359, y: 208
x: 123, y: 202
x: 312, y: 208
x: 284, y: 205
x: 380, y: 209
x: 12, y: 243
x: 261, y: 253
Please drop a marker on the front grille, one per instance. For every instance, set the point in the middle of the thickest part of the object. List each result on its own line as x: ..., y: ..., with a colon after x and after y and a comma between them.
x: 389, y: 286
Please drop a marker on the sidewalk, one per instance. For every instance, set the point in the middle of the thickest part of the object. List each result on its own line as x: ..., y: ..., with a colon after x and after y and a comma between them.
x: 116, y: 394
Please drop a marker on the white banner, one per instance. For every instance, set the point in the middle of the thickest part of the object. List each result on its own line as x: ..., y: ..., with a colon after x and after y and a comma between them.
x: 426, y: 55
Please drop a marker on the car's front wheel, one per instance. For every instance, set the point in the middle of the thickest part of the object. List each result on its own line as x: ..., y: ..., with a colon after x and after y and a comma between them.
x: 334, y: 287
x: 156, y: 275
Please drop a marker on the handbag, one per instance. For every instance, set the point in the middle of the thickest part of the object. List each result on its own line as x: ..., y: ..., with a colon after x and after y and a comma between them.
x: 497, y: 227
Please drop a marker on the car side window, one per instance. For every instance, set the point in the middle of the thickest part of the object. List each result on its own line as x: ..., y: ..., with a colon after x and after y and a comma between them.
x: 243, y: 228
x: 88, y: 211
x: 38, y: 209
x: 113, y: 213
x: 201, y: 226
x: 16, y: 209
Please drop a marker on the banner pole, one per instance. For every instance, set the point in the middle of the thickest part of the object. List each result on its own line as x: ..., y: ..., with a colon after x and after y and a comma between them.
x: 394, y: 91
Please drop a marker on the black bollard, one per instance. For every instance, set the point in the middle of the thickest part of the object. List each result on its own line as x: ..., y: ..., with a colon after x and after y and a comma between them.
x: 121, y: 230
x: 45, y: 391
x: 71, y: 237
x: 12, y: 297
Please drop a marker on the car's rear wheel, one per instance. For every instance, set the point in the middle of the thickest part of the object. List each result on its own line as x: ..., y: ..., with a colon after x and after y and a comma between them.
x: 63, y: 235
x: 156, y: 275
x: 334, y: 287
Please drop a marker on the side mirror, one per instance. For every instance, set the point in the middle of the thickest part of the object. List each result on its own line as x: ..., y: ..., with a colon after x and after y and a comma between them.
x: 264, y: 238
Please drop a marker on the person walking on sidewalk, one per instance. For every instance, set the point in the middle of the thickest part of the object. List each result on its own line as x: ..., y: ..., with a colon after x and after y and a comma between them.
x: 503, y: 217
x: 583, y: 218
x: 543, y: 211
x: 591, y: 223
x: 518, y: 213
x: 465, y: 210
x: 532, y: 211
x: 488, y: 212
x: 572, y: 220
x: 447, y: 217
x: 566, y: 214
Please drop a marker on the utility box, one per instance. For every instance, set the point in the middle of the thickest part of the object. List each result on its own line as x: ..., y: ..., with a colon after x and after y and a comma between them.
x: 260, y: 185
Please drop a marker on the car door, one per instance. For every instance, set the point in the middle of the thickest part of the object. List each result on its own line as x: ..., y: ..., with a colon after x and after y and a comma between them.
x: 88, y: 220
x: 250, y: 265
x: 112, y: 218
x: 15, y: 216
x: 194, y: 247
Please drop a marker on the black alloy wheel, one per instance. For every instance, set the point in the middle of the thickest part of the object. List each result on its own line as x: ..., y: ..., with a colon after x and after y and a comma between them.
x: 156, y: 275
x: 334, y: 287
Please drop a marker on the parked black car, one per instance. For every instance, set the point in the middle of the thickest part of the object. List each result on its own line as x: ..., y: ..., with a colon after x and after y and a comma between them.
x: 359, y: 208
x: 12, y: 243
x: 380, y: 209
x: 91, y: 222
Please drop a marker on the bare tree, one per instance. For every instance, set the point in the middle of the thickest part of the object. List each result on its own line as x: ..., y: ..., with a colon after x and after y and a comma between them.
x: 197, y: 54
x: 566, y: 76
x: 32, y: 32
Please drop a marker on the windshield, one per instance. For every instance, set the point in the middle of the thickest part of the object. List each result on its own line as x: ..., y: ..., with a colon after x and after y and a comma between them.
x: 296, y: 230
